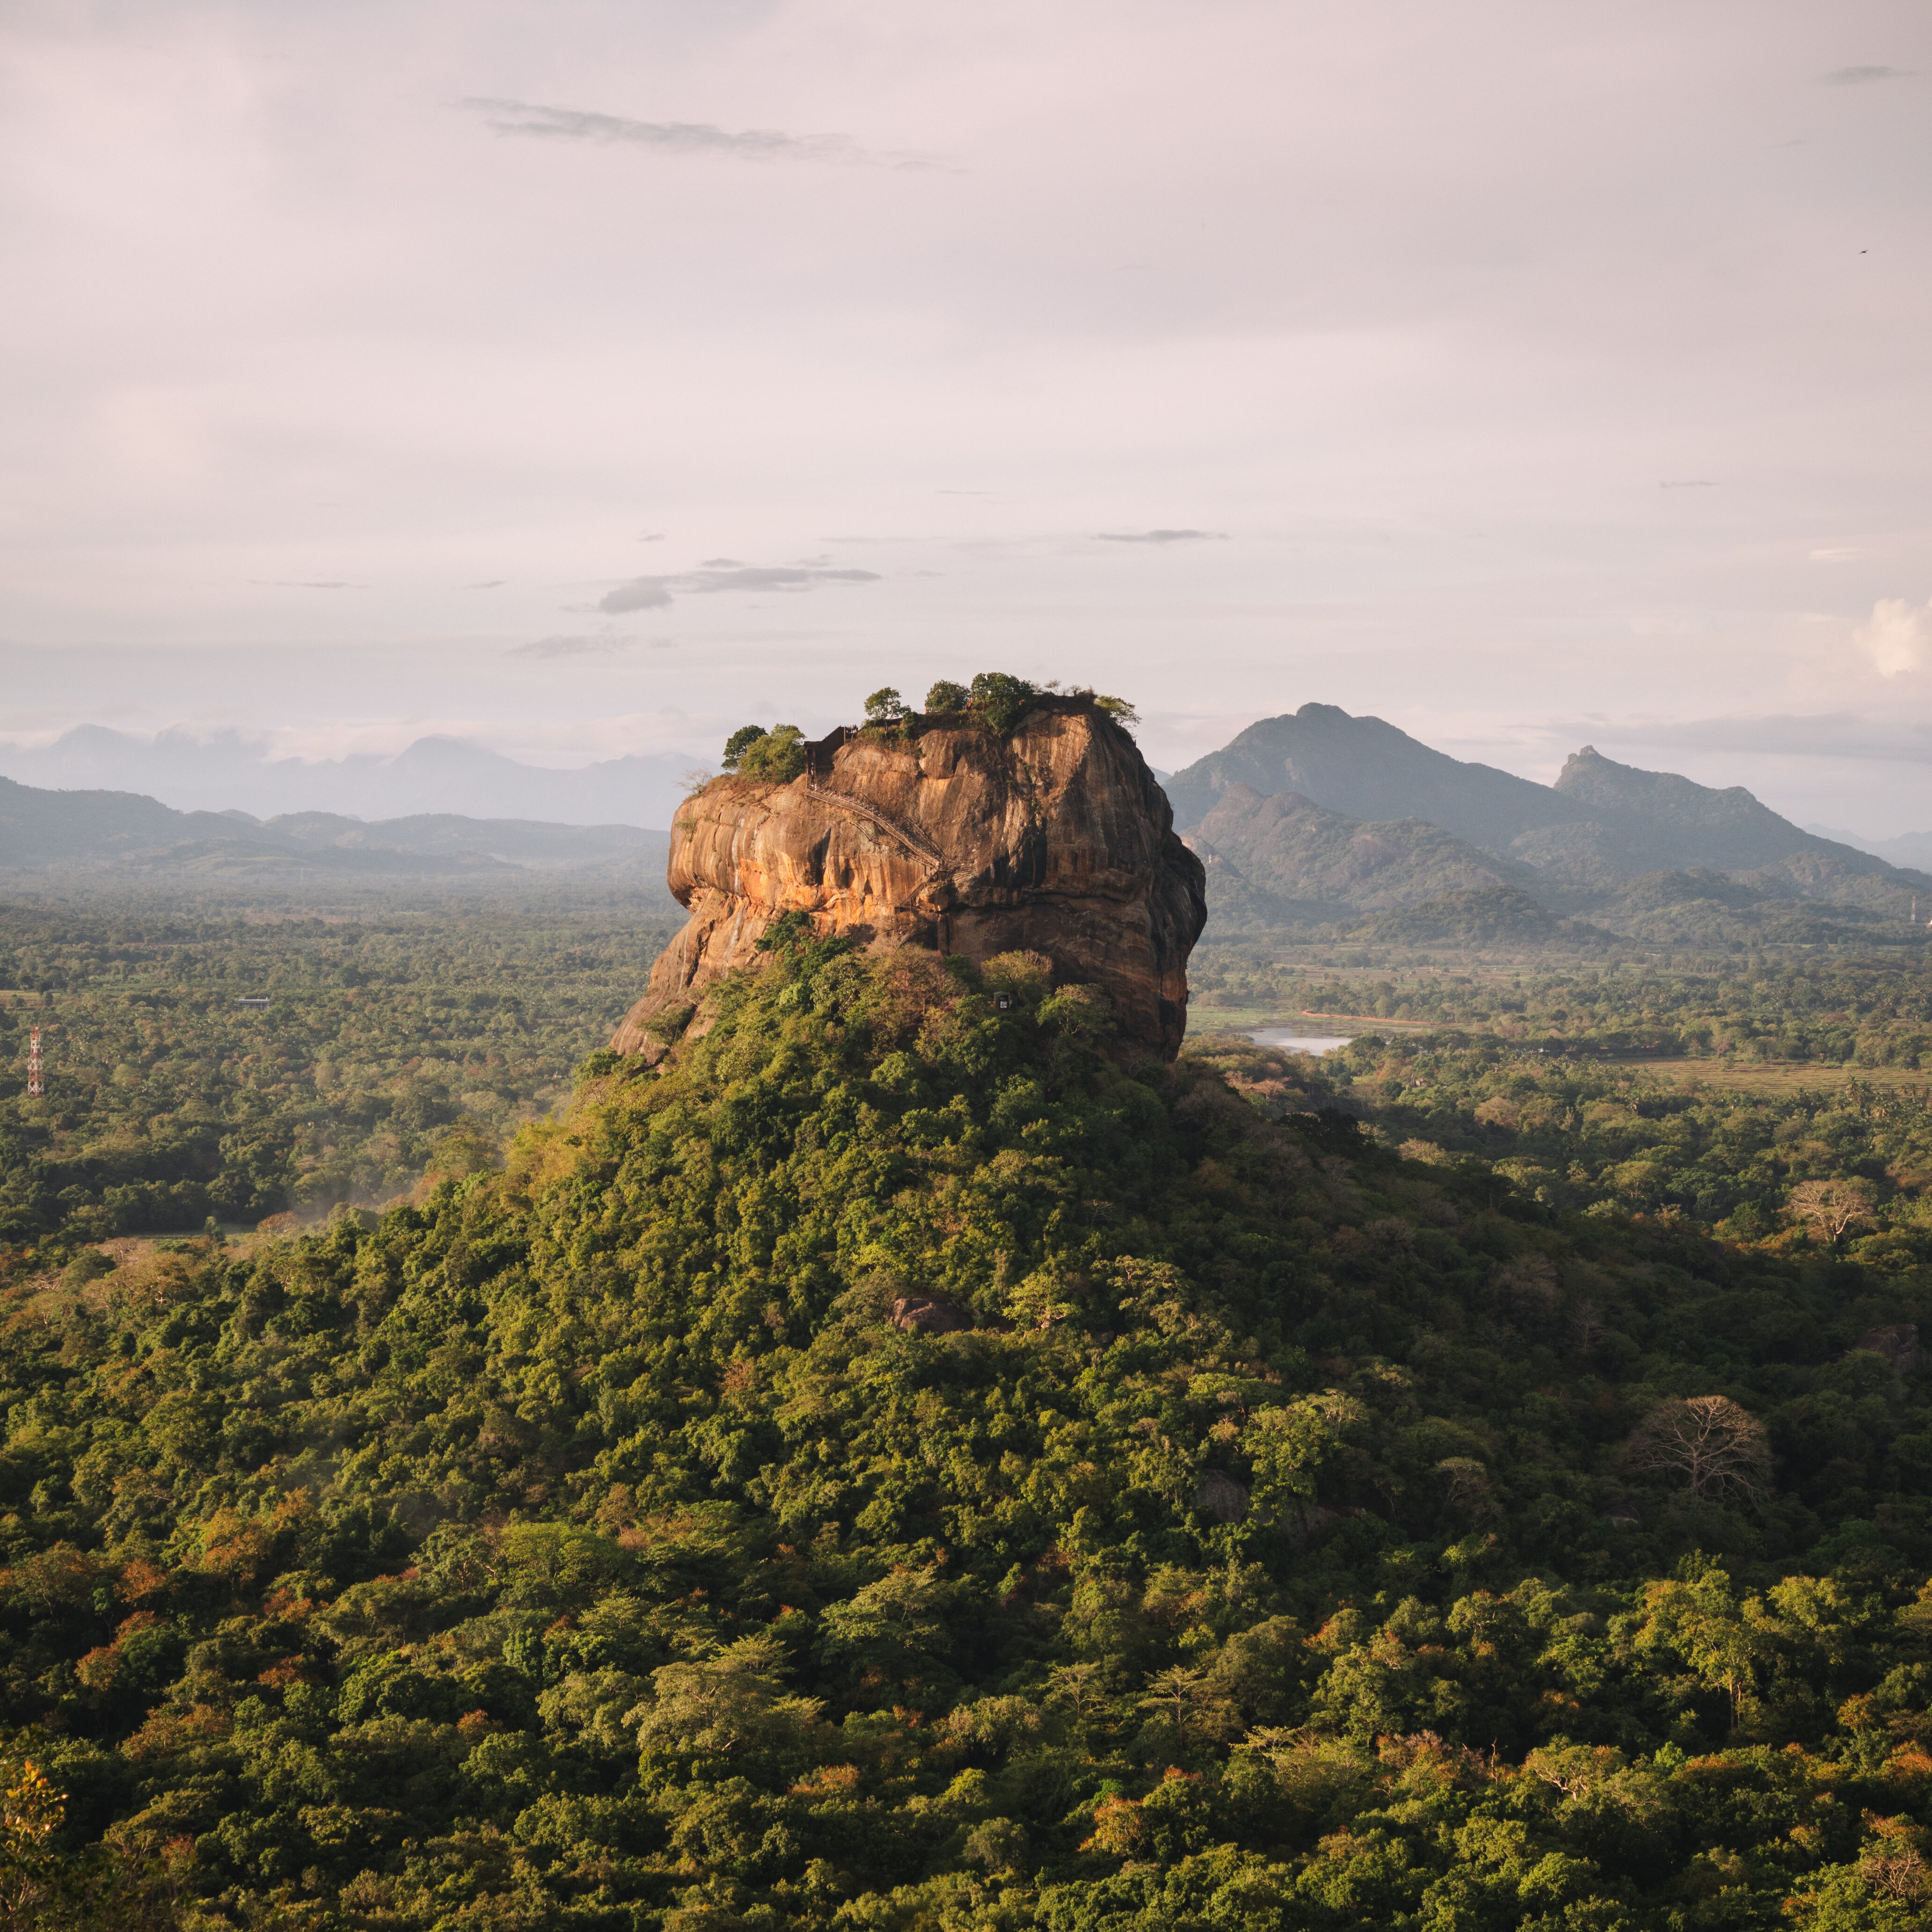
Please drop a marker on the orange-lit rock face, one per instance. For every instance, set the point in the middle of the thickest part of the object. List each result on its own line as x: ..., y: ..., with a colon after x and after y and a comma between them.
x: 1055, y: 840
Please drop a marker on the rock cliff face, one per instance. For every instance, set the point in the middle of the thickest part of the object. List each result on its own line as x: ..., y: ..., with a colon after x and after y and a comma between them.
x: 1054, y: 839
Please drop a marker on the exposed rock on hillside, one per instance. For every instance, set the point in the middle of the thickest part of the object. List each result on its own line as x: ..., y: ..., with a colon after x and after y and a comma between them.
x: 1054, y: 839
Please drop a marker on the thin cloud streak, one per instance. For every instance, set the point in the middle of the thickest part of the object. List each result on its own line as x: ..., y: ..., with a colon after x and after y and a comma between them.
x: 538, y: 122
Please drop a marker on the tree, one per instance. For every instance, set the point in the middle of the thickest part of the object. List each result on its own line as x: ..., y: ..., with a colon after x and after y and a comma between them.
x: 1466, y: 1483
x: 999, y: 698
x: 885, y: 706
x: 731, y: 1706
x: 740, y: 741
x: 31, y: 1815
x: 1290, y: 1444
x: 895, y: 1623
x: 1077, y: 1684
x: 945, y: 695
x: 777, y: 756
x: 1832, y: 1207
x: 1720, y: 1449
x: 1700, y: 1620
x: 1181, y: 1694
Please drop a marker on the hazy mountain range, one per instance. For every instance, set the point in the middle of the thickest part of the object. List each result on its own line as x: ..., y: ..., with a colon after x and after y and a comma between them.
x: 1316, y: 821
x: 228, y: 773
x: 1909, y: 848
x: 42, y: 830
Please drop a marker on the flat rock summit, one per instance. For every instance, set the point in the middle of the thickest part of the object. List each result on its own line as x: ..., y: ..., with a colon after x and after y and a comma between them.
x: 943, y: 833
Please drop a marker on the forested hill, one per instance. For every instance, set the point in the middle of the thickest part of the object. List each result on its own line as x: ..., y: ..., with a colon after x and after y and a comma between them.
x: 896, y: 1467
x: 1601, y: 821
x: 1316, y: 819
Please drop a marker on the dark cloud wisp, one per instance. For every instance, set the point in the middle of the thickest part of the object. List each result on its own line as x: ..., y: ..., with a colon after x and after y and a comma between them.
x: 1161, y: 536
x: 653, y: 593
x: 1856, y: 77
x: 677, y: 137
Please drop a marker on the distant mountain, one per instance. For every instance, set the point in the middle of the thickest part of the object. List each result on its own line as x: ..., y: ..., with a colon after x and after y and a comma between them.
x: 49, y: 828
x: 1674, y: 821
x: 1371, y: 770
x: 1909, y: 848
x: 1378, y: 837
x: 433, y: 775
x: 520, y: 841
x: 41, y: 830
x: 1601, y: 823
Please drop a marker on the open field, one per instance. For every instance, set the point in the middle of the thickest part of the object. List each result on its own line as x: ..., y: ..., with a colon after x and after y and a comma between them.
x: 1205, y: 1019
x: 1762, y: 1076
x: 1721, y: 1075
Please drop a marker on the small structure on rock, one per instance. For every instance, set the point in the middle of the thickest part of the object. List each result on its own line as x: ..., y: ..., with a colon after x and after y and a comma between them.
x: 1051, y: 838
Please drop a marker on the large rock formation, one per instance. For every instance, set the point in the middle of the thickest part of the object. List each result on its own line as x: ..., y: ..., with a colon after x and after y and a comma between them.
x: 1054, y: 838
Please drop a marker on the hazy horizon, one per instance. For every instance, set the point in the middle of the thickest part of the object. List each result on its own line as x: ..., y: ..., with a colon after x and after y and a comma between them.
x: 583, y: 380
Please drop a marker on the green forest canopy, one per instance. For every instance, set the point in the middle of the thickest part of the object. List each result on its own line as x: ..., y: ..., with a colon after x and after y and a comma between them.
x: 899, y: 1465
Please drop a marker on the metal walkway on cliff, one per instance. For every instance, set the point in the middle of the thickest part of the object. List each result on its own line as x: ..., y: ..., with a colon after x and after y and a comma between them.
x: 818, y: 755
x: 904, y: 834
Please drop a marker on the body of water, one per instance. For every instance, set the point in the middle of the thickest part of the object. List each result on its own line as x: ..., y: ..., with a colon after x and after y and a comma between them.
x: 1290, y: 1041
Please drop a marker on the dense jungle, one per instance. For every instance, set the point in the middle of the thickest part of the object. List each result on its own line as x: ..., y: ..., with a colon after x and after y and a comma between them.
x: 907, y: 1463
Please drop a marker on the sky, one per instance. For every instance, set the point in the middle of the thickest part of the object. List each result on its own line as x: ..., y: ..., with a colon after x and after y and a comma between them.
x: 589, y: 377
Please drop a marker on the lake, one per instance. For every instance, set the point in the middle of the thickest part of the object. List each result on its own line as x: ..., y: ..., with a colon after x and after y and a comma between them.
x: 1299, y: 1042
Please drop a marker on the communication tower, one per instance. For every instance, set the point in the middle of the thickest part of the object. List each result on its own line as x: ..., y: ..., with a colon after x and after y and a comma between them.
x: 36, y: 1078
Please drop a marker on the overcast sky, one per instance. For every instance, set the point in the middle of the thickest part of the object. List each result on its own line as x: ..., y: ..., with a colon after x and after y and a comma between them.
x: 590, y: 376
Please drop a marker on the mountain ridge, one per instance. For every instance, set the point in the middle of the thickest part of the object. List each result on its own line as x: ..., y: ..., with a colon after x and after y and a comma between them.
x: 1572, y: 845
x: 41, y: 829
x: 436, y: 772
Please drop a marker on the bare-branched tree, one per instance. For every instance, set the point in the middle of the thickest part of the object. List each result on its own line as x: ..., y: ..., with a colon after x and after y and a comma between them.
x: 1720, y: 1449
x: 1831, y: 1208
x: 1466, y: 1484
